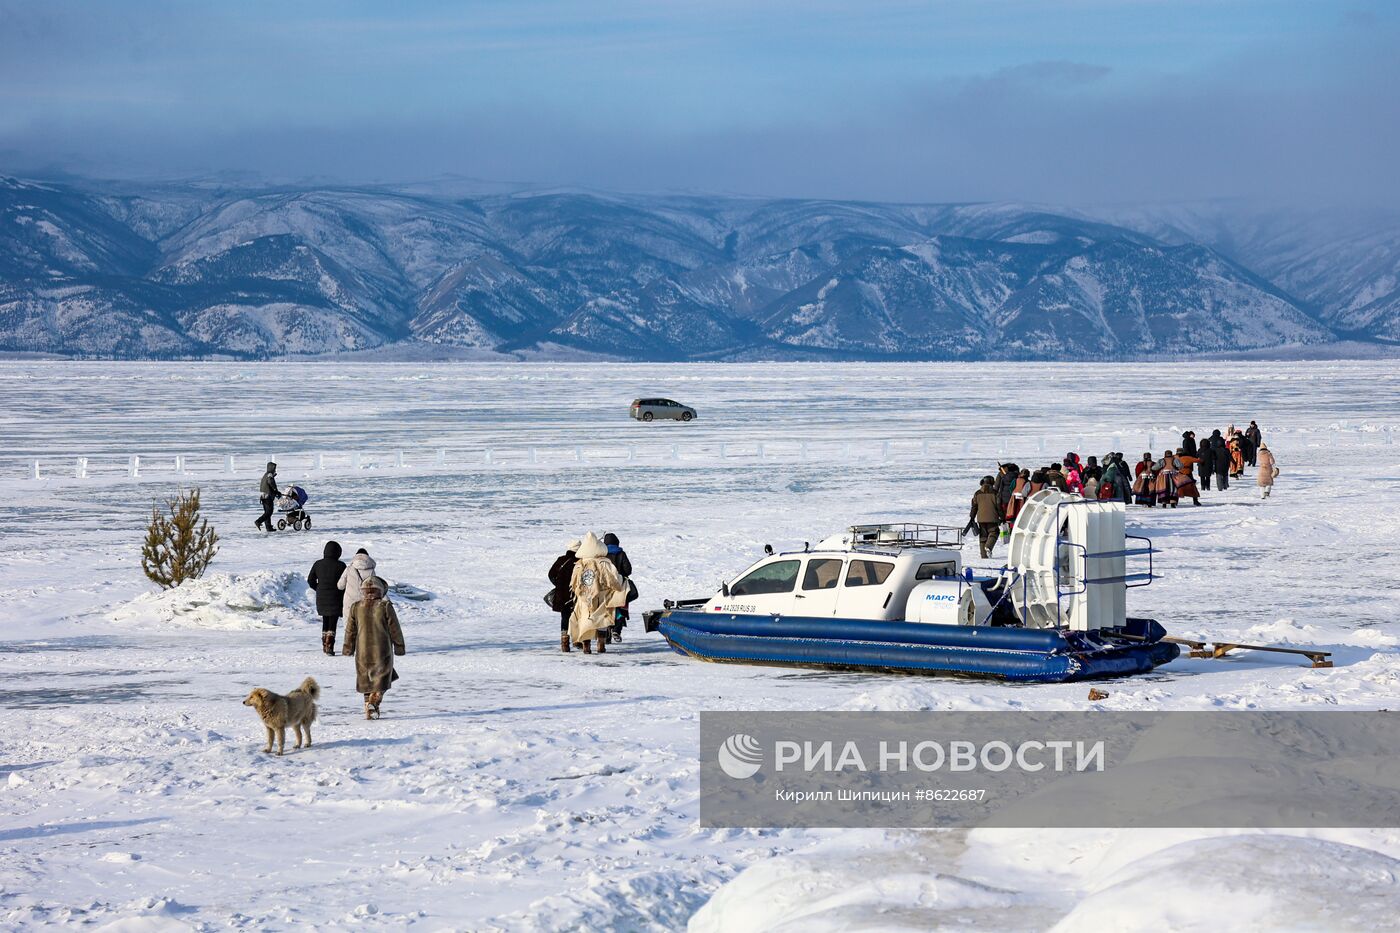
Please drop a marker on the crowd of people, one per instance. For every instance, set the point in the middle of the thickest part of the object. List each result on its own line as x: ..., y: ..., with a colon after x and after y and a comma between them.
x: 1178, y: 473
x: 372, y: 632
x: 592, y: 588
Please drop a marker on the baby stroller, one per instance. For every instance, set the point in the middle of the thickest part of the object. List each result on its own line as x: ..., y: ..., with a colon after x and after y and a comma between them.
x: 290, y: 504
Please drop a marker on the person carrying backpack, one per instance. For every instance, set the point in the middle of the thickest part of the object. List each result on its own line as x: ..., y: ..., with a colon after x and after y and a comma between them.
x: 352, y: 580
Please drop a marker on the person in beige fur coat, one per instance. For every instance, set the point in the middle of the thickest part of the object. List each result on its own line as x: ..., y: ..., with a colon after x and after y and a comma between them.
x: 374, y: 638
x: 598, y: 589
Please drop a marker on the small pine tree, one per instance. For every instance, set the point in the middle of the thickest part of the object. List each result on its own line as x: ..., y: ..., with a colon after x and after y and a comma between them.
x: 179, y: 545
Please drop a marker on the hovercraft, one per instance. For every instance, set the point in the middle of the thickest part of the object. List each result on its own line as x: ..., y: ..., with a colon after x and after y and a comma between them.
x: 896, y: 598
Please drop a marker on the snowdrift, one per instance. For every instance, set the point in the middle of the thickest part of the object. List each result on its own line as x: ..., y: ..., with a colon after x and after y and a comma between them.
x: 1260, y: 881
x: 258, y: 600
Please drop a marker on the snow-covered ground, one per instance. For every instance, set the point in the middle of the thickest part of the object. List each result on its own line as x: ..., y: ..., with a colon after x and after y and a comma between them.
x: 511, y: 786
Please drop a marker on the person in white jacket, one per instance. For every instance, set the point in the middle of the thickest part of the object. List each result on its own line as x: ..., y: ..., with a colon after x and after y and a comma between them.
x: 361, y: 568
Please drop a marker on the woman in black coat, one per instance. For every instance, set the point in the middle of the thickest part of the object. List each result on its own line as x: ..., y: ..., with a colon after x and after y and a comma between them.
x: 324, y: 576
x: 561, y: 576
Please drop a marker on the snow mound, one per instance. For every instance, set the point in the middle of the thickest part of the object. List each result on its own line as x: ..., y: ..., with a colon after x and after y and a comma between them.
x: 262, y: 599
x: 1265, y: 882
x: 850, y: 890
x: 1286, y: 632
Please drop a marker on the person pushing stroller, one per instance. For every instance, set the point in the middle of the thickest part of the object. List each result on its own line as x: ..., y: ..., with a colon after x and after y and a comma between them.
x: 268, y: 494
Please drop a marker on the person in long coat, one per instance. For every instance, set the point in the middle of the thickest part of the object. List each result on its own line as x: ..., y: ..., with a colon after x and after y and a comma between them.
x: 1220, y: 460
x: 561, y: 575
x: 1186, y: 487
x: 373, y: 636
x: 1115, y: 480
x: 1236, y: 450
x: 323, y: 578
x: 1006, y: 485
x: 1164, y: 481
x: 1268, y: 471
x: 1188, y: 443
x: 1256, y: 437
x: 1204, y: 457
x: 1144, y: 477
x: 598, y: 590
x: 361, y: 569
x: 1019, y: 491
x: 1247, y: 451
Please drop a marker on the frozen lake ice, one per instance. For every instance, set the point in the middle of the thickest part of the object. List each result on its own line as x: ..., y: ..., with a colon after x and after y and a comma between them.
x: 511, y: 786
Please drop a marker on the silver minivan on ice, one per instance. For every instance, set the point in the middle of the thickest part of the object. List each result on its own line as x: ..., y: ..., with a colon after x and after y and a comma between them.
x: 650, y: 409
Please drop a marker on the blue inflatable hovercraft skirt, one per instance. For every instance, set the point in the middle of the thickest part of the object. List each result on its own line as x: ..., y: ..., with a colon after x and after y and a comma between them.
x: 1027, y: 655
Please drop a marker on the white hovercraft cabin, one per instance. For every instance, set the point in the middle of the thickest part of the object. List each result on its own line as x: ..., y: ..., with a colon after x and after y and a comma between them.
x: 896, y: 597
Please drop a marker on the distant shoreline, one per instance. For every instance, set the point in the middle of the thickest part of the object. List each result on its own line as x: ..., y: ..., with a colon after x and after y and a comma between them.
x: 1339, y: 352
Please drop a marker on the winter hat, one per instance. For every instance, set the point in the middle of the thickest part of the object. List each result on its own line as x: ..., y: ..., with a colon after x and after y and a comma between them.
x: 591, y: 548
x: 374, y: 583
x: 271, y: 467
x: 332, y: 550
x: 362, y: 551
x: 574, y: 545
x: 611, y: 539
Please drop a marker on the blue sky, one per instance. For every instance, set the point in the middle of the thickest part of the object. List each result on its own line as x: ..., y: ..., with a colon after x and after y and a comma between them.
x: 1070, y: 101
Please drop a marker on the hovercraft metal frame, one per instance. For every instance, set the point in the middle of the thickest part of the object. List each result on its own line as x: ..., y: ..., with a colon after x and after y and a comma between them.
x: 1013, y: 577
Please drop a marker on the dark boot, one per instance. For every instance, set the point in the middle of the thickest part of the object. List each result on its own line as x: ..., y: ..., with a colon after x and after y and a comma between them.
x: 564, y: 642
x: 617, y: 633
x: 328, y: 642
x: 587, y: 646
x: 602, y: 643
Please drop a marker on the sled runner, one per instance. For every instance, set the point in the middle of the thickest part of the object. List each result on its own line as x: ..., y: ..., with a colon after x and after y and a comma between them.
x: 1219, y: 649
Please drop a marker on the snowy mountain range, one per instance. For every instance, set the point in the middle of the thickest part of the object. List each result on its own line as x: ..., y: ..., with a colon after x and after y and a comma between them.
x: 118, y: 270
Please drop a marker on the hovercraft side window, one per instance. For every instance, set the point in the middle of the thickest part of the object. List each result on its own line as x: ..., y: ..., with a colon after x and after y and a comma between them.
x: 777, y: 577
x: 935, y: 571
x: 867, y: 573
x: 822, y: 574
